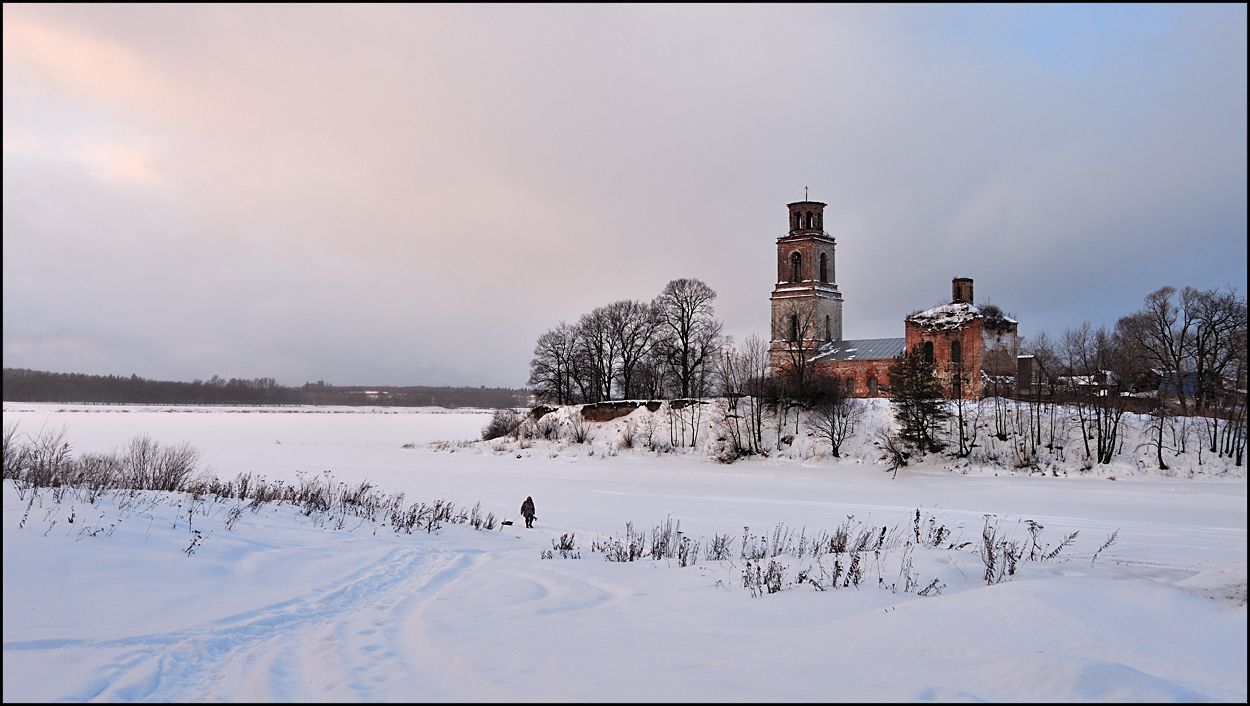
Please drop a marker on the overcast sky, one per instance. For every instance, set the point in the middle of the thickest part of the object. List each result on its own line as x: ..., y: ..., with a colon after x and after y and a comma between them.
x: 412, y: 194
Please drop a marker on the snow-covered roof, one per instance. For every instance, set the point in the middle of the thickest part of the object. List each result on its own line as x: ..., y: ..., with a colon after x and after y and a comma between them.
x: 860, y: 349
x: 955, y: 315
x: 947, y: 316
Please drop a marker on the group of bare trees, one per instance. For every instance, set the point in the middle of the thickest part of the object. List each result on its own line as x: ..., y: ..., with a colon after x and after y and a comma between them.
x: 663, y: 349
x: 1181, y: 358
x: 1194, y: 343
x: 1195, y: 340
x: 742, y: 375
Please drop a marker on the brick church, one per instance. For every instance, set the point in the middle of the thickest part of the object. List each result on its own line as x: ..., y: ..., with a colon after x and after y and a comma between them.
x: 975, y: 348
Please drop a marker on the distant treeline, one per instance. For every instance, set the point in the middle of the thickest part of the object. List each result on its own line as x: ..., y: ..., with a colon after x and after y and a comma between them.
x: 21, y: 385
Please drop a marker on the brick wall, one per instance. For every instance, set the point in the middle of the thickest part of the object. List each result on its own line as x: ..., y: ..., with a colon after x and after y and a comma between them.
x: 810, y: 247
x: 970, y: 341
x: 859, y: 371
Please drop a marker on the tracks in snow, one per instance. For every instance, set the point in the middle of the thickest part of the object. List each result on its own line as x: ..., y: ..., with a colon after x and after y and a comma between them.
x: 347, y: 640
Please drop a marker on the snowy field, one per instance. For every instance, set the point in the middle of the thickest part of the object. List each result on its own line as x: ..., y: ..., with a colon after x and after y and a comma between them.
x: 121, y: 600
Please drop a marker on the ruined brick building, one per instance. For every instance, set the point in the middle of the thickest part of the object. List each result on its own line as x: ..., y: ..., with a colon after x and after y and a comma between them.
x: 975, y: 348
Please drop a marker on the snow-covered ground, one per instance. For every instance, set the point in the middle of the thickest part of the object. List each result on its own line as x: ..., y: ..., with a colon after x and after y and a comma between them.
x: 280, y: 605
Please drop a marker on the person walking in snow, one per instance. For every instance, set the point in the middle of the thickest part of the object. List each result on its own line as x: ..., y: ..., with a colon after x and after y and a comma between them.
x: 527, y: 510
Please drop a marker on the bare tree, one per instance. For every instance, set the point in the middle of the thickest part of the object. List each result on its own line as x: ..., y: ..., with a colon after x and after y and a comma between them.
x: 1217, y: 318
x: 652, y: 378
x: 1041, y: 391
x: 1161, y: 333
x: 689, y: 336
x: 551, y: 370
x: 1219, y: 345
x: 731, y: 377
x: 1160, y: 422
x: 961, y: 387
x: 596, y: 355
x: 755, y: 356
x: 835, y: 416
x: 1078, y: 367
x: 633, y: 327
x: 1234, y: 397
x: 798, y: 318
x: 1098, y: 365
x: 742, y: 373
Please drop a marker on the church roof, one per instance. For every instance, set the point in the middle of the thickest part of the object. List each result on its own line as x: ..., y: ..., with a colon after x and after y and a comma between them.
x: 948, y: 316
x: 958, y: 314
x: 860, y: 349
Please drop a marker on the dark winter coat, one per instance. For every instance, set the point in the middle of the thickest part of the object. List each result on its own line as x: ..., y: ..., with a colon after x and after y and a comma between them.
x: 527, y: 508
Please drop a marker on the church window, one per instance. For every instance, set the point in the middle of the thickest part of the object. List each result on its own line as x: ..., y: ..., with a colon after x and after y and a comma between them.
x: 798, y: 220
x: 796, y: 266
x: 824, y: 267
x: 956, y: 352
x: 928, y: 351
x: 850, y: 387
x: 794, y: 327
x: 809, y: 219
x: 828, y: 330
x: 872, y: 387
x: 819, y: 220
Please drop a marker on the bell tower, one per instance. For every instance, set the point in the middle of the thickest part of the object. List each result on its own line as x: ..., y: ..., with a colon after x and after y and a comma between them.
x: 806, y: 303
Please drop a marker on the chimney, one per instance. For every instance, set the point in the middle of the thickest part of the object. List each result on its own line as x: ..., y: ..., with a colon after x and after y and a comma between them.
x: 961, y: 290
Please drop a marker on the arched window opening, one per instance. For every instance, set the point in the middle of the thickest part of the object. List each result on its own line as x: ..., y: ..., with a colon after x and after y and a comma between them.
x: 796, y: 267
x: 956, y: 352
x: 819, y: 221
x: 872, y: 387
x: 850, y: 387
x: 794, y: 327
x: 824, y: 267
x: 928, y: 351
x: 809, y: 219
x: 798, y: 220
x: 828, y: 330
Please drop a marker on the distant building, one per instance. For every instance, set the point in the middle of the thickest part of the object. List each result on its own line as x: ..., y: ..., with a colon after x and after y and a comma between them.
x: 1188, y: 383
x: 975, y: 348
x: 1032, y: 378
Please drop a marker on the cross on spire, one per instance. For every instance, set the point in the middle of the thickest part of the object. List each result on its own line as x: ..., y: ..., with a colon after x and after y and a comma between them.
x: 805, y: 193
